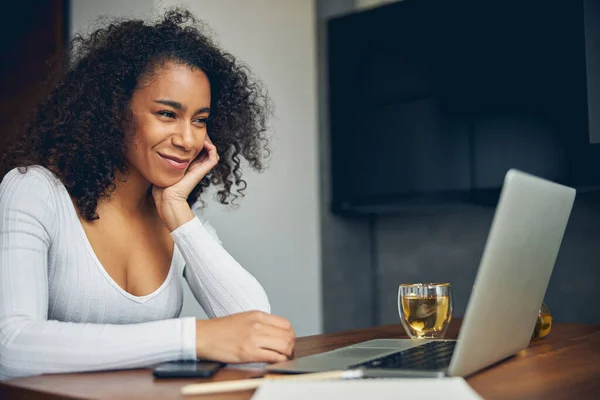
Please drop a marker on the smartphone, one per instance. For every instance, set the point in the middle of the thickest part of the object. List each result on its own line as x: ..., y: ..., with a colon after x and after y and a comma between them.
x: 187, y: 369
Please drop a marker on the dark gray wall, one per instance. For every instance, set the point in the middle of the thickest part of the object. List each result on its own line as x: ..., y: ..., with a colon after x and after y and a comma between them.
x: 592, y: 58
x: 440, y: 247
x: 448, y: 246
x: 346, y: 276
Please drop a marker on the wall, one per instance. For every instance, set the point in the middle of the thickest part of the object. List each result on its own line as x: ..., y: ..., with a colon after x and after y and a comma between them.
x: 447, y: 247
x: 348, y: 297
x: 275, y: 231
x: 84, y: 14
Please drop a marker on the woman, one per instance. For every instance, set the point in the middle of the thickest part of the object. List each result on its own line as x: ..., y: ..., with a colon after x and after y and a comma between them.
x: 95, y: 220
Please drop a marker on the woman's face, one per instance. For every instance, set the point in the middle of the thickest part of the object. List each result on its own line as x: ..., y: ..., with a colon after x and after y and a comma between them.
x: 169, y: 121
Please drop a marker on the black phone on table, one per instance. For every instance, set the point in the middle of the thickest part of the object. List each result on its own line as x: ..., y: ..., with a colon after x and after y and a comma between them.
x: 187, y: 369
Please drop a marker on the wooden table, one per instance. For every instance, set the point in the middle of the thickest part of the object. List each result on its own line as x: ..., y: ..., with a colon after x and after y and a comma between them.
x: 563, y: 365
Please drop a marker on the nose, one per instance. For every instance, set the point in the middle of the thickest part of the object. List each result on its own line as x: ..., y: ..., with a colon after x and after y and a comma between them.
x: 184, y: 137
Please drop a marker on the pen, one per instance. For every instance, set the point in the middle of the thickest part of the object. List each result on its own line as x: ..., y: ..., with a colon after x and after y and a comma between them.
x: 248, y: 384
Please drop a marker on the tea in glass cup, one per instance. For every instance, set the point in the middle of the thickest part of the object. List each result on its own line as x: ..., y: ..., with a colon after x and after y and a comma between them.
x: 543, y: 323
x: 425, y: 309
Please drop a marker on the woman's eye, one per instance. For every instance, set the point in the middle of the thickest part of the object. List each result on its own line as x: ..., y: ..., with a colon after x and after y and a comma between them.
x: 201, y: 121
x: 166, y: 113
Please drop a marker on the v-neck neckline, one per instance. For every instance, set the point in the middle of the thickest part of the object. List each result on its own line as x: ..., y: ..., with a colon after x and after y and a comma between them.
x: 104, y: 272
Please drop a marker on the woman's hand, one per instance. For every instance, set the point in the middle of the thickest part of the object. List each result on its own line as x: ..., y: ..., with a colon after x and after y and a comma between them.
x: 252, y: 336
x: 171, y: 202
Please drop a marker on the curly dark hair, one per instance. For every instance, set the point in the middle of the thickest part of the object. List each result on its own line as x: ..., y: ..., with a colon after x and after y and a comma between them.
x: 78, y: 130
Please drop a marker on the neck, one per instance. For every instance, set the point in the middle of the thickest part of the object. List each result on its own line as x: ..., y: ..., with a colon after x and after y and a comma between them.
x: 131, y: 195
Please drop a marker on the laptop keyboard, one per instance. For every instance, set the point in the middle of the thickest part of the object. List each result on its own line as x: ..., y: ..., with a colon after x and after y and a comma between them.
x: 434, y: 355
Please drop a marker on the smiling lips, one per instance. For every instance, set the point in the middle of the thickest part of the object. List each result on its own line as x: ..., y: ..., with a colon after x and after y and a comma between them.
x: 175, y: 162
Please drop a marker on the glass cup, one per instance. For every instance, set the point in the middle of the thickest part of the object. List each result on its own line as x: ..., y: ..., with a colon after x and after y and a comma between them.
x: 425, y: 309
x: 543, y: 323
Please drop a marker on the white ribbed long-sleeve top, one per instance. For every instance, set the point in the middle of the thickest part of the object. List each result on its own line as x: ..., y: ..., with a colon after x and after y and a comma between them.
x: 60, y: 311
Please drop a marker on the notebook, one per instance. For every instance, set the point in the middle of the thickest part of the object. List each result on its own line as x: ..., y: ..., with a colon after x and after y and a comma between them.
x: 380, y: 389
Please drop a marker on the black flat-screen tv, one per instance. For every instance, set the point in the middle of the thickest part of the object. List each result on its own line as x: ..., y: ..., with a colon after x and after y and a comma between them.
x: 432, y: 101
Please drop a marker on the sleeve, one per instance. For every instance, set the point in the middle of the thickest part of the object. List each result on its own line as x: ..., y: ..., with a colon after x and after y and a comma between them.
x: 30, y: 344
x: 219, y: 283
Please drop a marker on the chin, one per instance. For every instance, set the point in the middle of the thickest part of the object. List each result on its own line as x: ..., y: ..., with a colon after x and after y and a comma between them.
x: 164, y: 180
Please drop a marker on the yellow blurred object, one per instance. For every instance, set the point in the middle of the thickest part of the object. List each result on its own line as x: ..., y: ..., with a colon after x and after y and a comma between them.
x: 543, y: 323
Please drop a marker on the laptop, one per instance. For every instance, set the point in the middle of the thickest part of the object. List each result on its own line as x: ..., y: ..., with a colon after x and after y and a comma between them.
x: 509, y: 288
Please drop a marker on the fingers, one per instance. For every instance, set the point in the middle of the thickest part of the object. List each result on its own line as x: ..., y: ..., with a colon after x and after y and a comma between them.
x: 274, y: 320
x: 208, y: 145
x: 283, y: 344
x: 279, y: 344
x: 278, y: 339
x: 279, y: 332
x: 206, y: 160
x: 268, y: 356
x: 285, y: 334
x: 274, y: 333
x: 251, y: 336
x: 211, y: 157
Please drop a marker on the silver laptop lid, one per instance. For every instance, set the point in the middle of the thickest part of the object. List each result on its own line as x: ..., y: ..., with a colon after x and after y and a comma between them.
x: 514, y: 272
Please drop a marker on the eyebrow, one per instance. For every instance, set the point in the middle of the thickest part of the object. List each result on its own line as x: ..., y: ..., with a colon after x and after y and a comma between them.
x: 178, y: 106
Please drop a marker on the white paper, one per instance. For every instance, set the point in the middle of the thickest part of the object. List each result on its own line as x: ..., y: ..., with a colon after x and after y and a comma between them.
x: 377, y: 389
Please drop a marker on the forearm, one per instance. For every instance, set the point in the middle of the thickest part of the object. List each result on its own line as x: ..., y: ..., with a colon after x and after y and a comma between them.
x: 218, y: 281
x: 31, y: 347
